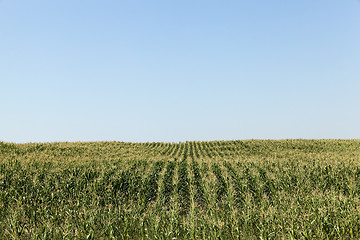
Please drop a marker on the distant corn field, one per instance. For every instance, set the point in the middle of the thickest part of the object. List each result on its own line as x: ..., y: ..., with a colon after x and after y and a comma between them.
x: 284, y: 189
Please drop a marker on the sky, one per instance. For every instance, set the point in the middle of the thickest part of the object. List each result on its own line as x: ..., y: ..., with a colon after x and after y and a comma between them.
x: 179, y: 70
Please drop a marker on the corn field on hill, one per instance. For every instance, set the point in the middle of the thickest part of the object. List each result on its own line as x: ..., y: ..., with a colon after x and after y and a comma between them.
x: 251, y: 189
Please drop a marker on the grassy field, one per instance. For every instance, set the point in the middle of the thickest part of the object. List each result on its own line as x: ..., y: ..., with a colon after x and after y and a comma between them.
x: 254, y: 189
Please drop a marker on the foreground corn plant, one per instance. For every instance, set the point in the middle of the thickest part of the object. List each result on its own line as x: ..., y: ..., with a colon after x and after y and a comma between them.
x: 302, y: 189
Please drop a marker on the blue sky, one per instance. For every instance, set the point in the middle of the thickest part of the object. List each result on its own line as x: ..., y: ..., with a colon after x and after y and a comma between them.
x: 179, y: 70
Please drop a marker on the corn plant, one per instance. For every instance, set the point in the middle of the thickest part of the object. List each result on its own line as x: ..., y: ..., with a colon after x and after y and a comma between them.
x: 183, y: 187
x: 168, y: 185
x: 199, y: 195
x: 221, y: 189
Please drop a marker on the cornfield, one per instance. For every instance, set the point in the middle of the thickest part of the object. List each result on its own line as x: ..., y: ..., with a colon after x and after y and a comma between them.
x: 267, y: 189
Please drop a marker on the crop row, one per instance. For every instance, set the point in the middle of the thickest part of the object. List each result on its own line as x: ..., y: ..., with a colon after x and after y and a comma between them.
x: 117, y: 186
x: 216, y: 190
x: 229, y: 149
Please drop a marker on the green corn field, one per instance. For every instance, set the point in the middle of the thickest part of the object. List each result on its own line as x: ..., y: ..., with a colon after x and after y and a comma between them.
x: 249, y: 189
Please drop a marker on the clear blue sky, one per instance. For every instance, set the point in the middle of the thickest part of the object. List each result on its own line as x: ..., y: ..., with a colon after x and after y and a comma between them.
x: 179, y: 70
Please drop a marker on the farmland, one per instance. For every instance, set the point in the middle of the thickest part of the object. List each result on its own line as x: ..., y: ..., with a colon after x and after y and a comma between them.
x: 251, y: 189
